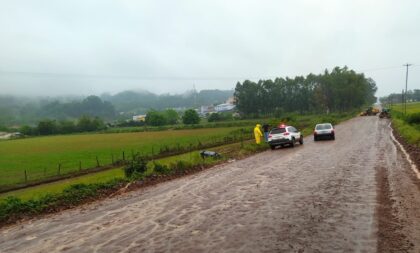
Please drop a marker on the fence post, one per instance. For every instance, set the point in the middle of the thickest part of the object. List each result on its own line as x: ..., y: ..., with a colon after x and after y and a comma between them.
x: 123, y: 156
x: 242, y: 138
x: 80, y: 165
x: 26, y: 177
x: 59, y: 169
x: 97, y: 161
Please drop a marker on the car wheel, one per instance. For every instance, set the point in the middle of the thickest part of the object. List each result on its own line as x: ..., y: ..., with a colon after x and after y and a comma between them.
x: 301, y: 140
x: 292, y: 144
x: 315, y: 138
x: 333, y: 137
x: 273, y: 147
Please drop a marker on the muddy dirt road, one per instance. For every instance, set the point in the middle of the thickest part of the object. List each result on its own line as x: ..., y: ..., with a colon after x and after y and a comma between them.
x: 354, y: 194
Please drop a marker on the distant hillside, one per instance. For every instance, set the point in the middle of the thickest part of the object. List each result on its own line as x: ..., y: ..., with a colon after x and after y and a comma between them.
x: 29, y: 110
x: 140, y: 102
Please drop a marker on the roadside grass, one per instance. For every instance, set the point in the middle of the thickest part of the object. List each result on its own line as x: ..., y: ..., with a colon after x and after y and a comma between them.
x: 407, y: 125
x: 39, y: 191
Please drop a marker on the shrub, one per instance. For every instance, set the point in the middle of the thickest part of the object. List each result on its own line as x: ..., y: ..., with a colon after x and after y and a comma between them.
x: 136, y: 168
x: 155, y: 118
x: 413, y: 118
x: 160, y: 168
x: 190, y: 117
x: 171, y: 116
x: 214, y: 117
x: 47, y: 127
x: 180, y: 166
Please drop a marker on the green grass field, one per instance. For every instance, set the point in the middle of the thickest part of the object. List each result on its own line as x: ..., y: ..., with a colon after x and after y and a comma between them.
x: 411, y: 107
x: 43, y: 154
x: 39, y: 191
x: 410, y: 132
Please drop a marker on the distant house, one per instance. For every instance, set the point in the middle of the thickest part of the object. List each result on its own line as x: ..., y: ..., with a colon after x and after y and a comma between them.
x: 204, y: 109
x: 224, y: 107
x: 139, y: 118
x: 6, y: 136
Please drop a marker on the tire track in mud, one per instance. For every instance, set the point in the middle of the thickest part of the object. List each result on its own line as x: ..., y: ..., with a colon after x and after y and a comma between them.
x: 319, y: 197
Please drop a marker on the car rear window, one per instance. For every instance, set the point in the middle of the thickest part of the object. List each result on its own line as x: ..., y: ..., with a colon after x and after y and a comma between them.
x: 278, y: 130
x: 323, y: 127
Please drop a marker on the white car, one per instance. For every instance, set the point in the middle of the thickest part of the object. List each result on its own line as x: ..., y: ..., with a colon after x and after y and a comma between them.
x: 324, y: 130
x: 284, y: 135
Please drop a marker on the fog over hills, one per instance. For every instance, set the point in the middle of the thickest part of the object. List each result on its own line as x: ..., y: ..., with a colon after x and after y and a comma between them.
x: 16, y: 110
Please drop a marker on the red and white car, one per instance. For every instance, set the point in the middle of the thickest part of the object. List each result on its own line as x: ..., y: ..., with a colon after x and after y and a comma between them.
x: 284, y: 135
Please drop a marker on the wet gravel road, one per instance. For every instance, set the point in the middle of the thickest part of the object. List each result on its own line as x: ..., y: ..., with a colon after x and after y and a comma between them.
x: 355, y: 194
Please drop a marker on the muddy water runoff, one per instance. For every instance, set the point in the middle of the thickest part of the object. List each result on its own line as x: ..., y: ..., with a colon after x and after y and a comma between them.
x: 354, y: 194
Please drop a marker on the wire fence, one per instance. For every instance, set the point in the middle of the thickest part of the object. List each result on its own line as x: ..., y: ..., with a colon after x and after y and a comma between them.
x: 30, y: 177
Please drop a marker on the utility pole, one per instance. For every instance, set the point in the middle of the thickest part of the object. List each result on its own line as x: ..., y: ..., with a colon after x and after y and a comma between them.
x: 406, y: 81
x: 402, y: 100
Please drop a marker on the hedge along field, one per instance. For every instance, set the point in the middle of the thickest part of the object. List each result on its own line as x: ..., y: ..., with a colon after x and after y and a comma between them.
x: 41, y: 156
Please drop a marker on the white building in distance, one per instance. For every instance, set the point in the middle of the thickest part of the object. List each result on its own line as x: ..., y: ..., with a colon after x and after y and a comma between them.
x: 139, y: 118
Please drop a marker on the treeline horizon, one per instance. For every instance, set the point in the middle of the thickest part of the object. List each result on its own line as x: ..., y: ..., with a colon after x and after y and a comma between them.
x: 395, y: 98
x: 338, y: 90
x: 29, y: 111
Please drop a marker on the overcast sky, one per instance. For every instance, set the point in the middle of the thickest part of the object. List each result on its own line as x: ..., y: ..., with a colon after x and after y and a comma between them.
x: 90, y: 47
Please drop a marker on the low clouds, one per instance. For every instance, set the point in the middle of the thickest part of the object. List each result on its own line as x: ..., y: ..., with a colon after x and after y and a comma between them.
x: 85, y: 47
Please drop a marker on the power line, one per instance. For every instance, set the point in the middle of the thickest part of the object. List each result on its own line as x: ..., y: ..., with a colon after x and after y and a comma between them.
x: 379, y: 68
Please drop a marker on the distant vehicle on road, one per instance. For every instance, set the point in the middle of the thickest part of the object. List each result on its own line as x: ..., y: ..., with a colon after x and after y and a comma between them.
x: 371, y: 111
x: 324, y: 130
x: 284, y: 135
x: 384, y: 113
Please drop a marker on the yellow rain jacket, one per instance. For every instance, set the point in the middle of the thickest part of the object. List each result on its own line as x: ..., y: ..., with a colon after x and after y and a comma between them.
x: 257, y: 134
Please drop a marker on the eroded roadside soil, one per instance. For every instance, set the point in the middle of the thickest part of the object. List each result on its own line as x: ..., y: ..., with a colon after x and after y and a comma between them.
x: 354, y: 194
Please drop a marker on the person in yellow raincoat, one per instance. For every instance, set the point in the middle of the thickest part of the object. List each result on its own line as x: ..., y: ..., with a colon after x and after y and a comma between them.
x: 257, y: 133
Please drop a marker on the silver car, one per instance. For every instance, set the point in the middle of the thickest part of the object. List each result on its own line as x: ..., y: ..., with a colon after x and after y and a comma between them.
x: 324, y: 131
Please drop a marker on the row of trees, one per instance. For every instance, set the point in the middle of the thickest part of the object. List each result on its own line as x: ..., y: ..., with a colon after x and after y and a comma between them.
x: 90, y: 124
x: 171, y: 117
x: 336, y: 91
x: 49, y: 127
x: 394, y: 98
